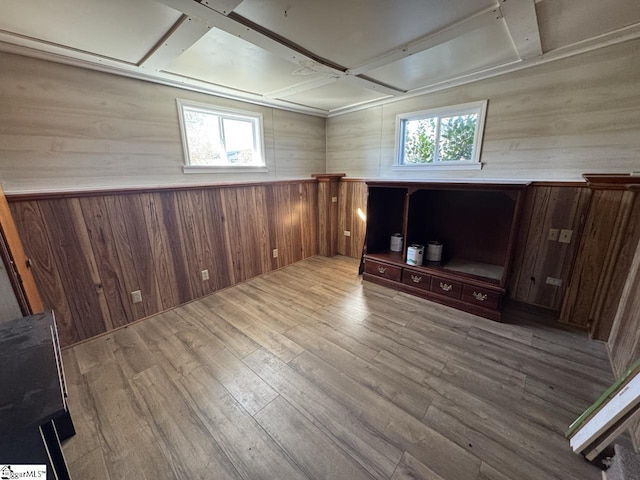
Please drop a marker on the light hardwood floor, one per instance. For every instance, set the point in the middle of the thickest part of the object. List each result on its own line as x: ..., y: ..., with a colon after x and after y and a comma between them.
x: 308, y: 372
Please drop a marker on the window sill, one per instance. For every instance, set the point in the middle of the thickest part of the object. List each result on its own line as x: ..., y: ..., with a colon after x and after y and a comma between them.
x: 224, y: 169
x: 439, y: 166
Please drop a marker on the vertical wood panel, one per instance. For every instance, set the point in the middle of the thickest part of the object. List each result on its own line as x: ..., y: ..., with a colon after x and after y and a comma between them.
x: 582, y: 289
x: 217, y: 230
x: 630, y: 240
x: 328, y: 189
x: 190, y: 217
x: 35, y: 239
x: 537, y: 257
x: 309, y: 222
x: 160, y: 250
x: 171, y: 221
x: 624, y: 341
x: 122, y: 245
x: 74, y: 264
x: 108, y: 263
x: 21, y: 262
x: 352, y: 196
x: 133, y: 217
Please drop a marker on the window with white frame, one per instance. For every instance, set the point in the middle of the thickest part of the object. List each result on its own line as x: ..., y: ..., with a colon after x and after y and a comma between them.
x: 447, y: 137
x: 216, y: 138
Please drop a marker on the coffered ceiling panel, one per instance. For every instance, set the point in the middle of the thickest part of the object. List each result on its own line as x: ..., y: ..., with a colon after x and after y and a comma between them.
x: 353, y: 32
x: 335, y: 95
x: 476, y: 50
x: 564, y: 22
x: 119, y: 29
x: 222, y: 59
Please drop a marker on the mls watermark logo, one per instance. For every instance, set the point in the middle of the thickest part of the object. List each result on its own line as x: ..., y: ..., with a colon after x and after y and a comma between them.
x: 9, y: 472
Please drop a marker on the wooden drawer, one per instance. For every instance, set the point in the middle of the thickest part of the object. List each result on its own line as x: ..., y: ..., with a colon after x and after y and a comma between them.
x: 416, y: 279
x: 383, y: 270
x: 480, y: 296
x: 443, y: 286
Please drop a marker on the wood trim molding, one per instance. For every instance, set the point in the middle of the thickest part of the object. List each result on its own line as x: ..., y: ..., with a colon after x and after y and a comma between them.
x: 611, y: 181
x: 32, y: 196
x: 328, y: 177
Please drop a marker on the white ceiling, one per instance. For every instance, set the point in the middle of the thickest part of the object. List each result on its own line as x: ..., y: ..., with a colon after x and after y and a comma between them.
x: 320, y: 57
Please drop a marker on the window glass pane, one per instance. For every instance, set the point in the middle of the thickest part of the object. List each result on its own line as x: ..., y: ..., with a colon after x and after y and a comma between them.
x: 419, y: 140
x: 239, y: 141
x: 456, y: 137
x: 203, y: 138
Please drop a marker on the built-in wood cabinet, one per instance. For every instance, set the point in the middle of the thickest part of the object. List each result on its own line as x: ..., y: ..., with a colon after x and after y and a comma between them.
x: 477, y: 225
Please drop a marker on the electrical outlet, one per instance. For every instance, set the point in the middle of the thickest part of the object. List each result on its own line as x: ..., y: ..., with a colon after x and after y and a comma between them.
x: 565, y: 236
x: 347, y: 233
x: 136, y: 297
x: 334, y: 199
x: 204, y: 274
x: 275, y: 253
x: 556, y: 282
x: 553, y: 234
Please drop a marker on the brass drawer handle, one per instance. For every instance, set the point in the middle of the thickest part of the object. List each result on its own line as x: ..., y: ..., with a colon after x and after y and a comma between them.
x: 446, y: 286
x: 481, y: 297
x: 382, y: 269
x: 416, y: 279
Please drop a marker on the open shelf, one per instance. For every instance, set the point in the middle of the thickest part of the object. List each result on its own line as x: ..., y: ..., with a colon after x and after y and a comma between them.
x: 476, y: 225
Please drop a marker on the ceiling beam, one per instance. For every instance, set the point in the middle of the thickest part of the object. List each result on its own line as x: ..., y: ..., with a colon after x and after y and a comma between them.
x: 224, y: 7
x: 522, y: 22
x: 444, y: 35
x: 259, y: 37
x: 186, y: 31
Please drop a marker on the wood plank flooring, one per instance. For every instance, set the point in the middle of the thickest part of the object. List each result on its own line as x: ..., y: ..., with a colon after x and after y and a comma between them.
x: 309, y: 373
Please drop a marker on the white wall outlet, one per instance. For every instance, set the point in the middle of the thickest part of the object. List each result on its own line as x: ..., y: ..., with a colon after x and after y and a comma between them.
x: 204, y: 274
x: 275, y: 253
x: 334, y: 199
x: 553, y: 234
x: 347, y: 233
x: 565, y: 236
x: 136, y: 297
x: 556, y: 282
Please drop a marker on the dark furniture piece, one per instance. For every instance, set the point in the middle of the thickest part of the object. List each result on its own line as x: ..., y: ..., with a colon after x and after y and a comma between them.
x: 476, y: 223
x: 34, y: 416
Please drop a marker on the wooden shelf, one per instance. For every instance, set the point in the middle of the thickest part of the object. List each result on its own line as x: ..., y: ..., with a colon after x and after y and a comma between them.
x: 476, y: 223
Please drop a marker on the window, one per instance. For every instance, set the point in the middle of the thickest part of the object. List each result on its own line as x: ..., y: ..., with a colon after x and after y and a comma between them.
x: 448, y: 137
x: 217, y: 139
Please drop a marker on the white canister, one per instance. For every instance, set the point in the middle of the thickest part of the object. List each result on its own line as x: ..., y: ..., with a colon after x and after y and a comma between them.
x: 396, y: 242
x: 414, y: 254
x: 434, y: 251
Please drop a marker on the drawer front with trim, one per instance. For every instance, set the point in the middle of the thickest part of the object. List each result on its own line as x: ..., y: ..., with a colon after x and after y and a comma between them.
x: 416, y: 279
x: 446, y: 287
x: 382, y: 270
x: 480, y: 296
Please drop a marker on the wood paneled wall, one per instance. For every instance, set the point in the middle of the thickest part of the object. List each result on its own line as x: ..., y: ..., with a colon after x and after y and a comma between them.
x: 537, y: 257
x: 624, y: 341
x: 91, y: 251
x: 351, y: 200
x: 550, y: 122
x: 63, y: 127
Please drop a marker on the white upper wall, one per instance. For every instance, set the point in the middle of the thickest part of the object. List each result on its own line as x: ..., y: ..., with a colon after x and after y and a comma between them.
x: 550, y: 122
x: 67, y: 128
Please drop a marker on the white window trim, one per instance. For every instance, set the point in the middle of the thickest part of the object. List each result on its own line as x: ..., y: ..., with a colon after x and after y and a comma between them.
x: 188, y: 168
x: 473, y: 164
